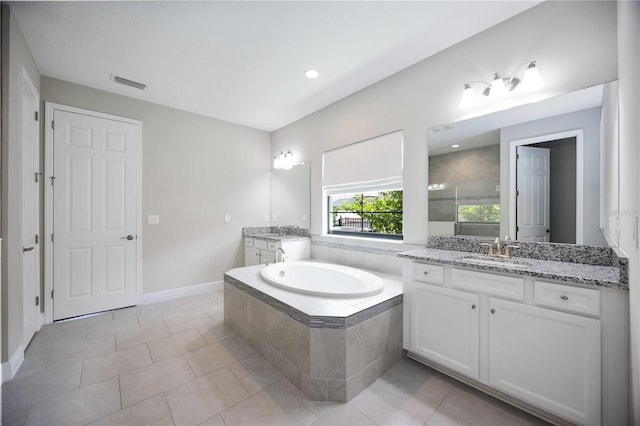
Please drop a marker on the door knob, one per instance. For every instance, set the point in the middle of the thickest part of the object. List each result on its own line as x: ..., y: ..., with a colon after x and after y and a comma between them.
x: 128, y: 237
x: 27, y: 249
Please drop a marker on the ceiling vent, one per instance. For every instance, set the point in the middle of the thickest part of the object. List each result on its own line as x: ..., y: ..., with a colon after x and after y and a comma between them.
x: 130, y: 83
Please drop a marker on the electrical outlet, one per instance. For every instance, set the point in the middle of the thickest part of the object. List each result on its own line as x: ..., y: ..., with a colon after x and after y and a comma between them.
x: 227, y: 218
x: 274, y: 218
x: 266, y: 218
x: 304, y: 217
x: 153, y: 219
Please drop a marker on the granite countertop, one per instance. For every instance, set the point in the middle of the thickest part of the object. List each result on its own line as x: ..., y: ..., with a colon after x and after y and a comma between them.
x: 274, y: 237
x: 569, y: 272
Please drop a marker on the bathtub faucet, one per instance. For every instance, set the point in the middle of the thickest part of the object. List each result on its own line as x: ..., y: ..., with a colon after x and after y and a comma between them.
x: 279, y: 251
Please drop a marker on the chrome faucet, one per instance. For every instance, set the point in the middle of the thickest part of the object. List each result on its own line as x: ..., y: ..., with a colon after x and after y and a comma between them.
x: 279, y: 251
x: 281, y: 231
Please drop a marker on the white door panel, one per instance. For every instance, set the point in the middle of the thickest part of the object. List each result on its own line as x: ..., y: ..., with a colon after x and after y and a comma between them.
x: 95, y: 192
x: 29, y: 130
x: 533, y: 194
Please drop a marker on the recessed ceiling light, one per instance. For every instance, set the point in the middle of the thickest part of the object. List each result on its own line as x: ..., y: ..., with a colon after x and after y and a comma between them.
x: 455, y: 146
x: 311, y: 74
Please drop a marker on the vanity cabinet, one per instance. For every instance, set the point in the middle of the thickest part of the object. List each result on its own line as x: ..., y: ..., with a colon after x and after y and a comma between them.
x: 259, y: 251
x: 539, y: 345
x: 446, y: 328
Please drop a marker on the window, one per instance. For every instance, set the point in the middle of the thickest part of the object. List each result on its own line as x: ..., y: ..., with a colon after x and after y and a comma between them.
x: 479, y: 213
x: 363, y: 185
x: 371, y: 213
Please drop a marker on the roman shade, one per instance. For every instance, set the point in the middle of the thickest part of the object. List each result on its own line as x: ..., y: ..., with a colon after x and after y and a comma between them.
x: 371, y: 165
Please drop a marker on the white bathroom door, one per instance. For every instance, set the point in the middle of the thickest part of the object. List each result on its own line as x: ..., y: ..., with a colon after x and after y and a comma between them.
x: 29, y: 131
x: 533, y: 194
x: 95, y: 185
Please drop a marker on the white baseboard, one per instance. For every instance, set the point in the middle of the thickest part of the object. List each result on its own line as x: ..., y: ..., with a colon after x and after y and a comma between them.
x: 10, y: 368
x: 161, y: 296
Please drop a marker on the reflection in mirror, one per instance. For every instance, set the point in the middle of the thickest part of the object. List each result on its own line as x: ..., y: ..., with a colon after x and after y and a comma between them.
x: 290, y: 196
x: 532, y: 172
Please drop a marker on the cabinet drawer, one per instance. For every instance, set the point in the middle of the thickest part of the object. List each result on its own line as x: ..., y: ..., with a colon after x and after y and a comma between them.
x: 493, y: 284
x: 261, y: 244
x: 573, y: 299
x: 272, y: 245
x: 428, y: 273
x: 248, y: 242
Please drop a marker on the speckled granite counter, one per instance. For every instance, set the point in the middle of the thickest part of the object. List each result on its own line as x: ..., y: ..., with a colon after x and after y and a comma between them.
x: 271, y: 233
x: 570, y: 272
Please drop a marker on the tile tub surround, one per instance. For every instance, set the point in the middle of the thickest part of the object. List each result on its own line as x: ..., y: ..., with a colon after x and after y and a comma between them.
x: 569, y: 272
x: 330, y: 349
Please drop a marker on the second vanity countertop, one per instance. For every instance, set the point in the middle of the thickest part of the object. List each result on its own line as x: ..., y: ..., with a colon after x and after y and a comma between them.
x: 569, y: 272
x: 274, y: 237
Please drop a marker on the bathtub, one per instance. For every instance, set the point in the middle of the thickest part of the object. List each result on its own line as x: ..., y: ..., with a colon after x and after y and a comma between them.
x: 322, y: 279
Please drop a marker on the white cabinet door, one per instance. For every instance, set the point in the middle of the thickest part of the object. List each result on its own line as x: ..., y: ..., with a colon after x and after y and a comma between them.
x: 267, y: 256
x: 445, y: 327
x: 251, y: 256
x: 548, y: 358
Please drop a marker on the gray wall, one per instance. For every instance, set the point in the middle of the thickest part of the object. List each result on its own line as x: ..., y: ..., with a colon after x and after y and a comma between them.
x: 629, y: 81
x: 195, y: 170
x: 17, y: 51
x: 589, y: 121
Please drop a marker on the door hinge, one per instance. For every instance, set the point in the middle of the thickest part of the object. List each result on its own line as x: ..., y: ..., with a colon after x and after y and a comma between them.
x: 52, y: 179
x: 52, y: 294
x: 37, y: 239
x: 36, y: 176
x: 517, y: 156
x: 37, y: 300
x: 517, y: 193
x: 52, y: 237
x: 36, y: 115
x: 517, y: 229
x: 52, y: 127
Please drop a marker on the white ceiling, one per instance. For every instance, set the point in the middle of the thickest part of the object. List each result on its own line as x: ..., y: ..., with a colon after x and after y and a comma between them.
x: 244, y: 62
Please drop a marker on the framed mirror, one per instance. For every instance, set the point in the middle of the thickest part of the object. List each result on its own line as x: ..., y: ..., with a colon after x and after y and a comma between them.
x: 544, y: 172
x: 290, y: 196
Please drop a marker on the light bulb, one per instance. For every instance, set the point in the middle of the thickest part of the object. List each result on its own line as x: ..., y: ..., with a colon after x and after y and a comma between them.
x: 498, y: 89
x: 531, y: 79
x: 468, y: 98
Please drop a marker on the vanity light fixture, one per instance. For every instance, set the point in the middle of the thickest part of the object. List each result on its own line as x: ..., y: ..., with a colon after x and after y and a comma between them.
x: 283, y: 161
x: 436, y: 187
x: 499, y: 87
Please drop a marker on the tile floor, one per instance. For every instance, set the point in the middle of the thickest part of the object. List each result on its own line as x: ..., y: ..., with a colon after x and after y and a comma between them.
x: 175, y: 363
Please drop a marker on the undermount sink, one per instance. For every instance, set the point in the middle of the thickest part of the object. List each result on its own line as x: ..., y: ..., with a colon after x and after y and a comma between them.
x: 497, y: 262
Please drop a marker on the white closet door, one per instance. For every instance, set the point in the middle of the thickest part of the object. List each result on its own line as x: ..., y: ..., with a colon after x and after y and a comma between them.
x: 94, y: 205
x: 533, y: 200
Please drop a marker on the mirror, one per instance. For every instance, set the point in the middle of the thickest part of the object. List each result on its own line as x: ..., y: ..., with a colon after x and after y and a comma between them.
x: 290, y: 196
x: 544, y: 172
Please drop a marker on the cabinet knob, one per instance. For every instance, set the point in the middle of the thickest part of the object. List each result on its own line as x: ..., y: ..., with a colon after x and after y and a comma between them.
x: 473, y: 306
x: 493, y: 311
x: 426, y: 272
x: 564, y: 297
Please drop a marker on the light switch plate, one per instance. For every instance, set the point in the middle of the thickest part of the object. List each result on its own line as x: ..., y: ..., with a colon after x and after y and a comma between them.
x: 154, y: 219
x: 266, y: 218
x: 304, y: 217
x: 227, y: 218
x: 274, y: 218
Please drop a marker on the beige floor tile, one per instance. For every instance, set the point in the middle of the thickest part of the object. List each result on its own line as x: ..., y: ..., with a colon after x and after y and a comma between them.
x: 153, y: 411
x: 14, y: 415
x: 191, y: 322
x: 276, y: 405
x: 112, y: 327
x: 113, y: 364
x: 129, y: 312
x: 197, y: 401
x: 255, y: 374
x: 153, y: 379
x: 27, y: 390
x: 151, y: 317
x: 419, y: 378
x: 388, y: 404
x: 215, y: 333
x: 134, y: 337
x: 213, y: 357
x: 51, y: 337
x: 81, y: 351
x: 33, y: 363
x: 343, y: 415
x: 79, y: 407
x: 213, y: 421
x: 176, y: 344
